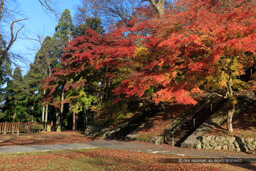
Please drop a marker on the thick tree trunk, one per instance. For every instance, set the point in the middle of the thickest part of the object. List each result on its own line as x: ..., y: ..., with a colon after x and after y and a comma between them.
x: 74, y: 121
x: 230, y: 117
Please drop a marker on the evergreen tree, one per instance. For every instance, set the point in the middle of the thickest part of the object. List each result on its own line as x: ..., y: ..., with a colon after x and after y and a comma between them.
x: 62, y: 35
x: 15, y: 108
x: 5, y: 67
x: 91, y: 23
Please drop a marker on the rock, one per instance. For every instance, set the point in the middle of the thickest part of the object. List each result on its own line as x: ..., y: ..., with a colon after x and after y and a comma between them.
x: 236, y: 144
x: 210, y: 138
x: 131, y: 137
x: 213, y: 143
x: 242, y: 139
x: 208, y: 147
x: 231, y: 140
x: 217, y: 148
x: 238, y: 149
x: 225, y: 147
x: 222, y: 139
x: 204, y: 141
x: 248, y: 140
x: 231, y: 147
x: 251, y: 147
x: 198, y: 146
x: 217, y: 139
x: 220, y: 143
x: 157, y: 140
x: 245, y: 149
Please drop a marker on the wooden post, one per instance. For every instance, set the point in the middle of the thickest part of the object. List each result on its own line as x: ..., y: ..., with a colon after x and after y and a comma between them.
x: 29, y: 127
x: 5, y: 127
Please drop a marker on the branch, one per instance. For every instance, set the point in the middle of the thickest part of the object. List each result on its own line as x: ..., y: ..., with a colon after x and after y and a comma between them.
x: 39, y: 40
x: 158, y: 6
x: 1, y: 9
x: 14, y: 37
x: 46, y: 5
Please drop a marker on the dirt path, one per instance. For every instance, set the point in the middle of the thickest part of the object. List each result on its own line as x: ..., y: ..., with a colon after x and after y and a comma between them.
x: 43, y: 138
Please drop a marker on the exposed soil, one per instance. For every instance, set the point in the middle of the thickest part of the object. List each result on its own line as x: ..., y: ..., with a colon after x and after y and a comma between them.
x: 43, y: 138
x: 156, y: 125
x: 244, y: 125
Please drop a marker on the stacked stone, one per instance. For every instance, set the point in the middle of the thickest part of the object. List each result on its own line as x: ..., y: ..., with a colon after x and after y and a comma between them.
x: 227, y: 143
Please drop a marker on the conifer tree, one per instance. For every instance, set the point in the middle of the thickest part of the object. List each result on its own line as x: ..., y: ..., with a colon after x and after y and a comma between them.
x: 62, y: 35
x: 15, y: 108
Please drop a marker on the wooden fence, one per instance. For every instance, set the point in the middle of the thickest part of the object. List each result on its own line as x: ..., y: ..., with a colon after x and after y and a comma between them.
x: 17, y: 127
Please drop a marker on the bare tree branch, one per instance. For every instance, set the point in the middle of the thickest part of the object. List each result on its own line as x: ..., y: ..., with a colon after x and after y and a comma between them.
x: 47, y: 5
x: 14, y: 36
x: 1, y: 9
x: 158, y: 5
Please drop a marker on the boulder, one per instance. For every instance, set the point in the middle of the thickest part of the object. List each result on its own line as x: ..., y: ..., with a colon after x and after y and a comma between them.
x: 198, y: 146
x: 251, y: 147
x: 217, y: 148
x: 248, y: 140
x: 225, y: 147
x: 231, y: 147
x: 231, y: 140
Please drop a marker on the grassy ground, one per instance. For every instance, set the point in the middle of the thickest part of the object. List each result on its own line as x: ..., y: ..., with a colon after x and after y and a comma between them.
x: 103, y: 159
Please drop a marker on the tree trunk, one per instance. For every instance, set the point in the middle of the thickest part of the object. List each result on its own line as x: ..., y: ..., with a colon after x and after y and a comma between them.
x: 14, y: 116
x: 231, y: 112
x: 43, y: 113
x: 62, y: 107
x: 46, y: 113
x: 158, y: 6
x: 58, y: 129
x: 74, y: 121
x: 232, y: 108
x: 1, y: 8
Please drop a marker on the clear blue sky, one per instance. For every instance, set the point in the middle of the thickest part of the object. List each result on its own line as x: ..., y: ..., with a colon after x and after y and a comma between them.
x: 38, y: 23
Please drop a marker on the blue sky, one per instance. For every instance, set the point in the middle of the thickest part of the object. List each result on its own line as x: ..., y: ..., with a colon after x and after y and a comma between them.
x: 38, y: 23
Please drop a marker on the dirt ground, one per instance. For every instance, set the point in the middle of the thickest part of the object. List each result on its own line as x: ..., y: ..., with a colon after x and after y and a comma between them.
x: 43, y: 138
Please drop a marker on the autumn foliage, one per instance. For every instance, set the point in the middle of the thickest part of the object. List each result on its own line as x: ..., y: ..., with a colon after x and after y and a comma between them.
x: 198, y: 45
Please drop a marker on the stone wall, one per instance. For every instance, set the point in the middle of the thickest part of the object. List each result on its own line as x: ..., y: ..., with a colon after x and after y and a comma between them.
x: 227, y: 143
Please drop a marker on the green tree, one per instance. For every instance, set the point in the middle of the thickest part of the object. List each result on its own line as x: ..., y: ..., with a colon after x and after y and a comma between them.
x: 15, y: 108
x: 5, y: 67
x: 92, y: 23
x: 62, y: 35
